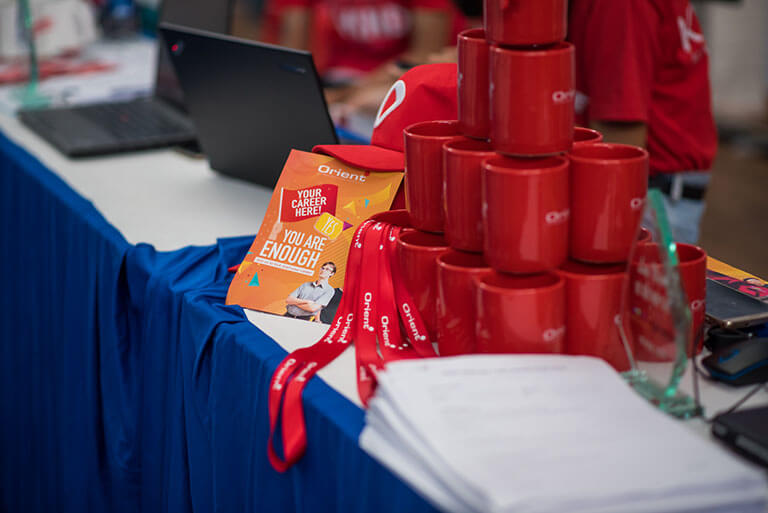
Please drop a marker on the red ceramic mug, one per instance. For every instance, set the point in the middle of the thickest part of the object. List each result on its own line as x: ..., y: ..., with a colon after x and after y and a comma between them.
x: 473, y: 107
x: 585, y: 136
x: 462, y: 197
x: 398, y: 217
x: 456, y: 271
x: 652, y: 343
x: 593, y: 297
x: 520, y: 314
x: 532, y: 94
x: 609, y: 183
x: 424, y: 172
x: 525, y: 22
x: 417, y: 255
x: 525, y: 213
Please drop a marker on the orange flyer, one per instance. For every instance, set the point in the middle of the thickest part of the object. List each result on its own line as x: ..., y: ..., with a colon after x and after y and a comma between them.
x: 296, y: 264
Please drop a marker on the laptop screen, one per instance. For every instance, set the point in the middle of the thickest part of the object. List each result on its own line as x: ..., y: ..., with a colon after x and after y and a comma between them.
x: 251, y: 102
x: 210, y: 15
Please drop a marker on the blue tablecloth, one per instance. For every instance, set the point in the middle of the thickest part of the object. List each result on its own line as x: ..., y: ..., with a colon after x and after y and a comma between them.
x: 126, y: 385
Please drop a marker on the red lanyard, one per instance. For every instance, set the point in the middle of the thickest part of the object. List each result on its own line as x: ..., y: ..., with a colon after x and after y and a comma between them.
x: 366, y: 353
x: 292, y: 374
x: 392, y: 345
x: 373, y: 295
x: 414, y: 325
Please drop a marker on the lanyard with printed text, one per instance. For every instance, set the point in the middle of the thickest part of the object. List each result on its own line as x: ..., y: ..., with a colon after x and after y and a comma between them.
x: 374, y: 294
x: 391, y: 342
x: 409, y: 314
x: 297, y: 368
x: 367, y: 358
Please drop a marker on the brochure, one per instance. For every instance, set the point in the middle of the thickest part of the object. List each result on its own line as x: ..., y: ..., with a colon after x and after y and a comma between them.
x: 737, y: 279
x: 296, y: 264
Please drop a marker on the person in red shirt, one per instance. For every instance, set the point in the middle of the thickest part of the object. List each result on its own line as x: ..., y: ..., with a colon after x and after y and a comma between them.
x: 364, y: 45
x: 642, y: 78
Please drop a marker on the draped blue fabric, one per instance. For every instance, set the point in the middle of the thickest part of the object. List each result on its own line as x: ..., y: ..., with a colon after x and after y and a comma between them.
x: 126, y: 385
x: 68, y: 387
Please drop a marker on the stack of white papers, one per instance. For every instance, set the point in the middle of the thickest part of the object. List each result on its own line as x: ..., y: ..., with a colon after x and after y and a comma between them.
x: 535, y: 433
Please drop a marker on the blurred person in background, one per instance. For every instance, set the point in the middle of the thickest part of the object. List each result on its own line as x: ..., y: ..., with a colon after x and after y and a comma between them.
x: 363, y: 46
x: 642, y: 78
x: 248, y: 21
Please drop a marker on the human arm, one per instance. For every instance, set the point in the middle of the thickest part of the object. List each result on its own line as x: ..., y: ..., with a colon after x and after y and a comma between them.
x: 295, y: 299
x: 304, y: 304
x: 617, y: 51
x: 314, y: 307
x: 295, y: 23
x: 431, y: 27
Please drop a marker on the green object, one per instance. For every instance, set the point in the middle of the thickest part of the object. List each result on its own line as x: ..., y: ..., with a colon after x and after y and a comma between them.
x: 665, y: 398
x: 148, y: 19
x: 657, y: 333
x: 29, y: 95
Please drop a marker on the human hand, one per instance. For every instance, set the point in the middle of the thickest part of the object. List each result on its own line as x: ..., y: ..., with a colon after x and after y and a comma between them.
x: 447, y: 54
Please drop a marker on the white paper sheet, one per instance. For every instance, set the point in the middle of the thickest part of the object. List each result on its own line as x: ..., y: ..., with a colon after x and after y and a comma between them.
x: 532, y: 433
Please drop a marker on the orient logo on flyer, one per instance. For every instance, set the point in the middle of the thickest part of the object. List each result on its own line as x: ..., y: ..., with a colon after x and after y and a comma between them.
x: 297, y: 262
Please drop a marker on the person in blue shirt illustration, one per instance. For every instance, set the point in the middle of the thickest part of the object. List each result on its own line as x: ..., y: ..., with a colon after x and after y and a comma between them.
x: 311, y: 297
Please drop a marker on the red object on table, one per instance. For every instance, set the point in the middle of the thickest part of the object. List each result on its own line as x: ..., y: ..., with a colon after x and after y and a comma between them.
x: 417, y: 254
x: 585, y: 136
x: 19, y: 72
x: 456, y: 301
x: 474, y: 108
x: 525, y: 22
x: 525, y: 213
x: 609, y: 183
x: 462, y: 194
x: 653, y: 334
x: 424, y: 172
x: 593, y: 296
x: 372, y: 307
x: 520, y: 314
x: 532, y: 97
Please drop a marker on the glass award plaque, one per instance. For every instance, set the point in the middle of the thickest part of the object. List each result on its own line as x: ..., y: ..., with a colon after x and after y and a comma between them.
x: 655, y: 325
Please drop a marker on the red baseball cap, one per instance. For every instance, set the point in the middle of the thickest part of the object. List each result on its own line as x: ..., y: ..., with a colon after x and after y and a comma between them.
x: 423, y: 93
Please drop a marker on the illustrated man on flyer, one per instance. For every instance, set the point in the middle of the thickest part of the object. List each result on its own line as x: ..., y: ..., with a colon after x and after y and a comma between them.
x: 311, y: 297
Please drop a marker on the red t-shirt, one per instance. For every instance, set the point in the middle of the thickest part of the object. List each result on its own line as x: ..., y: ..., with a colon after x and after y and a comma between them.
x: 360, y: 35
x: 646, y: 60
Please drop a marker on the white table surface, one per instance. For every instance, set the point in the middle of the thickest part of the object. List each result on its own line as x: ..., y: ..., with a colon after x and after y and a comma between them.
x: 160, y: 197
x: 169, y: 200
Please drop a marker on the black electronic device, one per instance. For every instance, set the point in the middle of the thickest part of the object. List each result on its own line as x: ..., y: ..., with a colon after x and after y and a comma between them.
x: 251, y: 102
x: 720, y: 338
x: 742, y: 363
x: 730, y: 308
x: 746, y: 431
x: 141, y: 123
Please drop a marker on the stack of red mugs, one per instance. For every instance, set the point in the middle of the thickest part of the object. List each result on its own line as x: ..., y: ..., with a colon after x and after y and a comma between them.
x: 523, y: 223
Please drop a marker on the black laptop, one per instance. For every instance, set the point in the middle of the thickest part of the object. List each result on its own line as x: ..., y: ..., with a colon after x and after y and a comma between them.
x: 745, y: 431
x: 251, y: 102
x: 149, y: 122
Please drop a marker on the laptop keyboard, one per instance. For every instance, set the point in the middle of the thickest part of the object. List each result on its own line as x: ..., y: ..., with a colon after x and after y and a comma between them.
x: 129, y: 121
x: 110, y: 127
